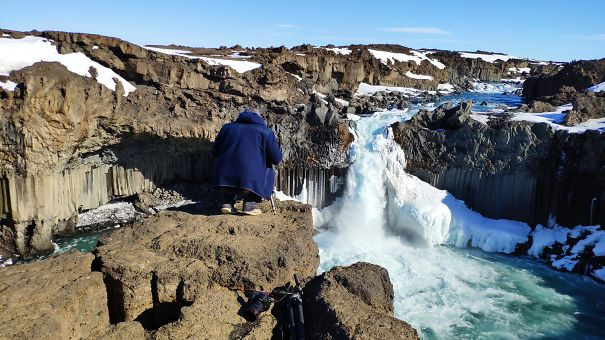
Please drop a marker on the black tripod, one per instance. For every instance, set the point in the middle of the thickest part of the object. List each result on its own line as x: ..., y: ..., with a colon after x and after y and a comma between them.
x: 293, y: 323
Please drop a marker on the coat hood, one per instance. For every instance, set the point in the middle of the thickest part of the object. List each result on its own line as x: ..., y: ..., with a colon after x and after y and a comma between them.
x: 249, y: 117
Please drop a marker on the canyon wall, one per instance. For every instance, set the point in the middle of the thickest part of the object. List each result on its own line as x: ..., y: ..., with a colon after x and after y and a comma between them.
x: 514, y: 170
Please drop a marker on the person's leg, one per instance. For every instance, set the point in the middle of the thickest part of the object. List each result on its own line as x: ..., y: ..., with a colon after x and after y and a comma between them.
x: 251, y: 202
x: 227, y: 198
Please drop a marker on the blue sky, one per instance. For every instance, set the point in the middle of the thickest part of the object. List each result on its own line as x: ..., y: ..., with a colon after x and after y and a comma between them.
x: 549, y: 30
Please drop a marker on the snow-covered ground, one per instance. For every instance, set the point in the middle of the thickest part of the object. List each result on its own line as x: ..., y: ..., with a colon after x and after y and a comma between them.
x: 238, y: 65
x: 16, y: 54
x: 555, y: 119
x: 339, y: 50
x: 597, y: 88
x: 416, y: 56
x: 487, y: 57
x: 110, y: 214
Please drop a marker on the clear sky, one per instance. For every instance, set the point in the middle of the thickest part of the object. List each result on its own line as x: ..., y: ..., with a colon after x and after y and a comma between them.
x: 548, y: 30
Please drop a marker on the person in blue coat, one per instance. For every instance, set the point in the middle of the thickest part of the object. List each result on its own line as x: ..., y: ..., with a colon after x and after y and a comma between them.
x: 244, y: 153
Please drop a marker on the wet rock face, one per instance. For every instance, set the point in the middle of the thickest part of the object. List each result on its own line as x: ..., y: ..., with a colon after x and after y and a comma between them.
x: 59, y: 297
x: 328, y: 299
x: 506, y: 169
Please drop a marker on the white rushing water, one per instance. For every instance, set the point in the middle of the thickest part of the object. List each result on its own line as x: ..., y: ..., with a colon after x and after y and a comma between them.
x: 392, y: 219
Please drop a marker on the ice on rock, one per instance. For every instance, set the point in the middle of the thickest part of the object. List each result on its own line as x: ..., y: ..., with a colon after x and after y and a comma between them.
x: 545, y: 237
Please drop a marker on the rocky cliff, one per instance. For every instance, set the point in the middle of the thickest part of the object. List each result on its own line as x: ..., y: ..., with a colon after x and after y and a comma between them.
x: 570, y: 84
x: 508, y: 169
x: 70, y: 143
x: 183, y: 274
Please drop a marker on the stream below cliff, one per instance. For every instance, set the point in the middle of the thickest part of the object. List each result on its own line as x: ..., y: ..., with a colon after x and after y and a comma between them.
x: 390, y: 218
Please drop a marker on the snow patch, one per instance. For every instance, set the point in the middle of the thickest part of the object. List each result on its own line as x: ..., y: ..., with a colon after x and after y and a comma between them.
x: 487, y: 57
x: 299, y: 78
x: 368, y: 90
x: 167, y: 50
x: 7, y: 262
x: 109, y: 214
x: 445, y: 88
x: 239, y: 66
x: 519, y: 70
x: 544, y: 237
x: 8, y: 85
x: 555, y: 119
x: 599, y: 273
x: 597, y: 88
x: 341, y: 101
x: 416, y: 56
x: 418, y: 76
x: 339, y: 50
x: 16, y: 54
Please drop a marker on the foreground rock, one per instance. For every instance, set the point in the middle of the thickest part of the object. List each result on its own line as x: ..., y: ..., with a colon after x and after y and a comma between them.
x: 58, y: 298
x: 181, y: 275
x: 171, y: 260
x: 330, y: 296
x: 509, y: 169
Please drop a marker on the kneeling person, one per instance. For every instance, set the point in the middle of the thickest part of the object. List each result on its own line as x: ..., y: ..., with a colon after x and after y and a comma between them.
x: 244, y: 154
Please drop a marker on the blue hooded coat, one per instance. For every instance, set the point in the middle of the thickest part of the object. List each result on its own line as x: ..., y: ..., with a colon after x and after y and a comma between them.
x: 244, y: 154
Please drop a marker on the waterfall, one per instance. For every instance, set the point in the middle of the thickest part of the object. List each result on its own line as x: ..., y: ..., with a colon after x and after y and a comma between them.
x: 390, y: 218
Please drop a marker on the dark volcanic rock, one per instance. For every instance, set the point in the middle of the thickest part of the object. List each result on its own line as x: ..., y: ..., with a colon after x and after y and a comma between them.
x: 514, y: 170
x: 446, y: 116
x: 556, y: 88
x: 354, y: 302
x: 586, y: 106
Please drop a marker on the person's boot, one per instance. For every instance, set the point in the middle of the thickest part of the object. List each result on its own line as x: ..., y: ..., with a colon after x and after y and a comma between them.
x: 227, y: 209
x: 230, y: 202
x: 251, y: 208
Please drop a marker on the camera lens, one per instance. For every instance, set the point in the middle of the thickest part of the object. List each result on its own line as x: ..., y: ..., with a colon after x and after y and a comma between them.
x: 253, y: 310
